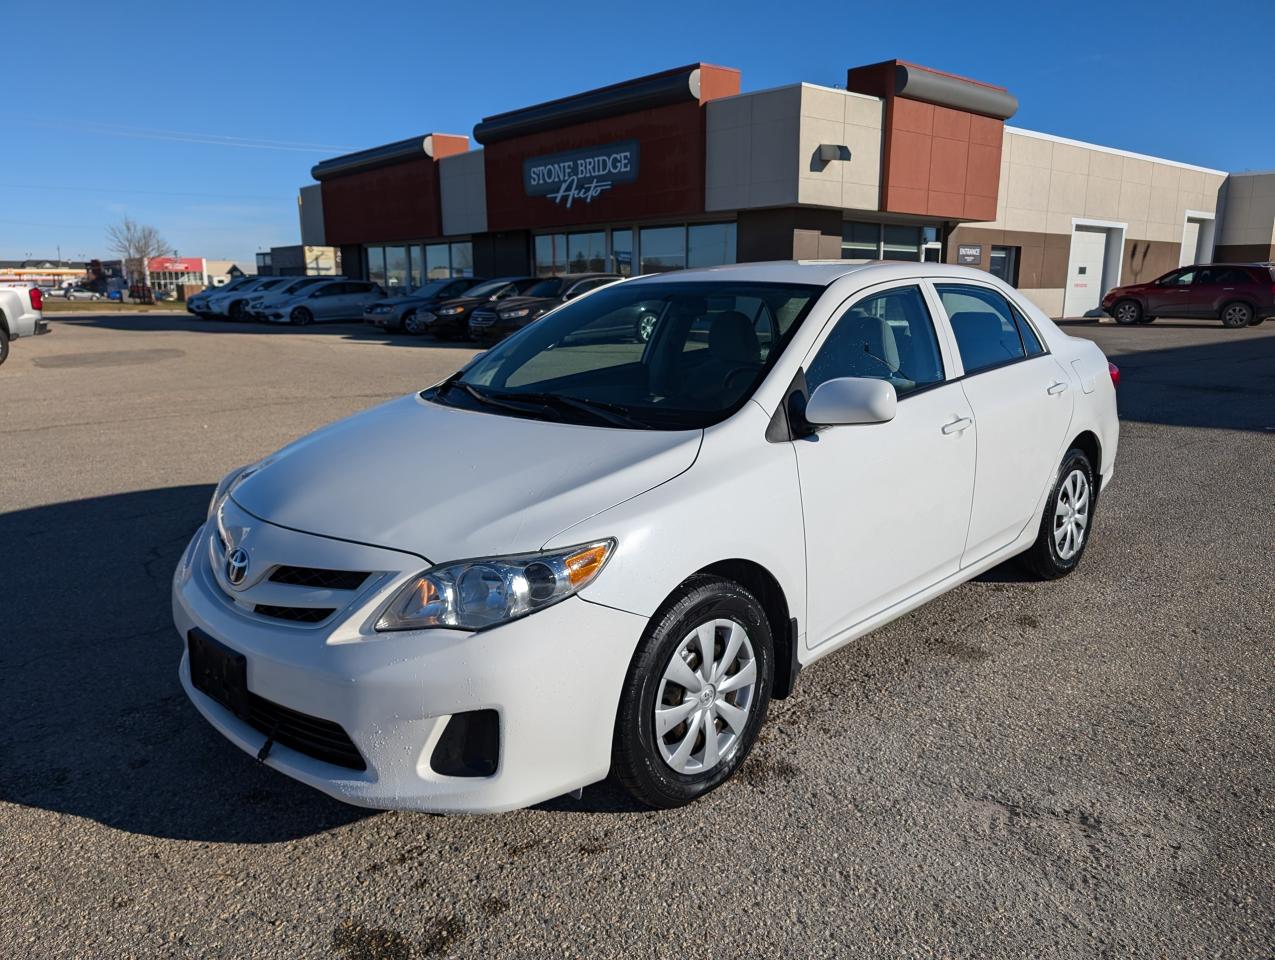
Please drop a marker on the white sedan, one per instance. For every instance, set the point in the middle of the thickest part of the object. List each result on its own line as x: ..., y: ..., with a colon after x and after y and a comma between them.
x: 589, y: 554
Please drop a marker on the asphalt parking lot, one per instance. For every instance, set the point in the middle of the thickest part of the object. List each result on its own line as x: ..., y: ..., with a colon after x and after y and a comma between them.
x: 1081, y: 768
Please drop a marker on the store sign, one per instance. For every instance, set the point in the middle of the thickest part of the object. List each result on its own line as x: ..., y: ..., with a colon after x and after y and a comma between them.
x: 176, y: 265
x: 970, y: 254
x: 581, y: 175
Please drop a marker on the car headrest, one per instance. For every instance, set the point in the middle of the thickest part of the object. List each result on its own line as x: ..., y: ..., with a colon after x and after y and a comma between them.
x: 731, y: 338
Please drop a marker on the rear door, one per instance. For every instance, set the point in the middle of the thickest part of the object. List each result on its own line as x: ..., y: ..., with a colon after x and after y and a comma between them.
x: 328, y: 301
x: 1022, y: 402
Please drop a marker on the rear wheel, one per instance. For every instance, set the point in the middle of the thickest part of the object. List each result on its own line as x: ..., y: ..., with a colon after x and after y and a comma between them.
x: 301, y: 316
x: 1237, y: 314
x: 1068, y: 519
x: 1127, y: 311
x: 4, y: 345
x: 696, y: 694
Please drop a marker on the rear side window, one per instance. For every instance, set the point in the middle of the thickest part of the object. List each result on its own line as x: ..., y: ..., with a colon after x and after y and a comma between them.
x: 989, y: 332
x: 885, y: 336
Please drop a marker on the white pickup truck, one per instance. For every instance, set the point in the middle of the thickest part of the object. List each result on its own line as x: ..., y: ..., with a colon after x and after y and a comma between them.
x: 20, y: 314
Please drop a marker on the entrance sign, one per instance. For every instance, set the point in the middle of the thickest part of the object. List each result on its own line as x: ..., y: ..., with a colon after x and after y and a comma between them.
x: 580, y: 175
x: 970, y: 254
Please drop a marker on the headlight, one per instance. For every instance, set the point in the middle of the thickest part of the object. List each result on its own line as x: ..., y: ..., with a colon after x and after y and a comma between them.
x: 229, y: 482
x: 450, y: 311
x: 515, y: 314
x: 473, y: 594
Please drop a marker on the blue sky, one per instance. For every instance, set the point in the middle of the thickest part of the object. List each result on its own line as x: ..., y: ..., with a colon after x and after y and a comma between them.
x: 207, y: 131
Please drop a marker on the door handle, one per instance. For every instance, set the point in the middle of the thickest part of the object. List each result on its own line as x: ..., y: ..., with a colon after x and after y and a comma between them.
x: 1056, y: 388
x: 959, y: 425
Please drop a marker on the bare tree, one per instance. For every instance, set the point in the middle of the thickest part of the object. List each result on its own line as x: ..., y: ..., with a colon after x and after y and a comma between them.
x: 136, y: 243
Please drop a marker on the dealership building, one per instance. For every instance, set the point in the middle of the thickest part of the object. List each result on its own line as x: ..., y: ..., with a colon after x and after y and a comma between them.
x: 680, y: 169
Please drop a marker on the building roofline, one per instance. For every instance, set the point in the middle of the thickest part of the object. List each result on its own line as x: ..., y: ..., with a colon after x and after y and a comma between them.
x: 1113, y: 150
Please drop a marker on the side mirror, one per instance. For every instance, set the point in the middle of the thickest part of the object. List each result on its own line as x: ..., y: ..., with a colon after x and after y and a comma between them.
x: 847, y: 400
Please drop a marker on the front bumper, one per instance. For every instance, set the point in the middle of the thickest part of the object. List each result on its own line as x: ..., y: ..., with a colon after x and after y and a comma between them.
x: 554, y: 678
x: 393, y: 319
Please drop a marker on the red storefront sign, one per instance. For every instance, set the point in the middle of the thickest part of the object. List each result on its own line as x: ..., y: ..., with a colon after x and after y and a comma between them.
x: 175, y: 264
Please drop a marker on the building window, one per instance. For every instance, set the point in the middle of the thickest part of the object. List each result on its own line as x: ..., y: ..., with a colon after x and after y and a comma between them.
x: 662, y: 249
x: 1004, y: 264
x: 438, y: 261
x: 462, y: 259
x: 901, y: 243
x: 586, y: 252
x: 416, y: 274
x: 710, y: 244
x: 860, y: 241
x: 376, y: 265
x: 551, y: 254
x: 397, y: 279
x: 622, y: 252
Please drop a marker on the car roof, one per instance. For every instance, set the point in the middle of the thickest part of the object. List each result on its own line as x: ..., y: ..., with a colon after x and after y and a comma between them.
x: 820, y: 272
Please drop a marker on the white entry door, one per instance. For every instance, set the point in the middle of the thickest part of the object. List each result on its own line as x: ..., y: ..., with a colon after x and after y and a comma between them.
x: 1084, y: 279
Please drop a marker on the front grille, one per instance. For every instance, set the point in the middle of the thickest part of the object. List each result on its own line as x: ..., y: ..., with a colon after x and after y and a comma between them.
x: 482, y: 319
x: 315, y: 577
x: 295, y: 614
x: 313, y: 736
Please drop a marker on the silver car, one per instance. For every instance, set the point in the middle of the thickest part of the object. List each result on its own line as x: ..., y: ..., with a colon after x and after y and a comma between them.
x: 334, y: 300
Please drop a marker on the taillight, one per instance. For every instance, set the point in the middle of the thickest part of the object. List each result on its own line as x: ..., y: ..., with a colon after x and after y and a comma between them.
x: 1115, y: 373
x: 37, y: 299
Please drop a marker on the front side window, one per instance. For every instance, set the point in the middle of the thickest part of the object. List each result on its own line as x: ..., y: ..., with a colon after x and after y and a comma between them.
x: 1179, y: 278
x: 885, y: 336
x: 984, y: 324
x: 651, y: 355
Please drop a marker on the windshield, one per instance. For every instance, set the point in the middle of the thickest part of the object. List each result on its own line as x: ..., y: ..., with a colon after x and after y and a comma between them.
x: 487, y: 288
x: 431, y: 288
x: 550, y: 287
x: 665, y: 355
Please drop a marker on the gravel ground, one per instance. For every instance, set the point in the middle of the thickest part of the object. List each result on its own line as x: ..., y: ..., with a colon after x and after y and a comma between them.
x: 1082, y: 768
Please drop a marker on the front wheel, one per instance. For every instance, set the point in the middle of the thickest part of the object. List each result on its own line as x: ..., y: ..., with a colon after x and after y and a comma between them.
x: 301, y: 317
x: 1127, y: 311
x: 696, y: 694
x: 1237, y: 315
x: 1068, y: 520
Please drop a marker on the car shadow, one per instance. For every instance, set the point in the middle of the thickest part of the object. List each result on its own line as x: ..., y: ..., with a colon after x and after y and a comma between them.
x: 93, y: 720
x: 161, y: 322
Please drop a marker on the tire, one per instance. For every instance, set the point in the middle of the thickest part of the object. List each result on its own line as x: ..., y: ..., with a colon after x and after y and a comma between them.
x: 4, y: 345
x: 1237, y: 314
x: 1054, y: 555
x: 650, y: 766
x: 236, y: 311
x: 301, y: 317
x: 645, y: 327
x: 413, y: 324
x: 1146, y: 319
x: 1127, y: 312
x: 401, y: 326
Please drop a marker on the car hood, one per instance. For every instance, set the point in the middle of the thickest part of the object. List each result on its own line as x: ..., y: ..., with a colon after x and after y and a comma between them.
x: 447, y: 484
x: 467, y: 302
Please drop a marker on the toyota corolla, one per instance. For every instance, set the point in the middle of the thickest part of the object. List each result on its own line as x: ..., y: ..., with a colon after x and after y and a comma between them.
x: 592, y: 554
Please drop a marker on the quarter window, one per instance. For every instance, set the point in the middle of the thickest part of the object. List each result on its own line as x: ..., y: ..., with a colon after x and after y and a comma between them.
x: 886, y: 336
x: 985, y: 325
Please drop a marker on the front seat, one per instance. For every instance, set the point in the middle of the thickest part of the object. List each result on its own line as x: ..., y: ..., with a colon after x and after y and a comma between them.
x: 734, y: 359
x: 983, y: 339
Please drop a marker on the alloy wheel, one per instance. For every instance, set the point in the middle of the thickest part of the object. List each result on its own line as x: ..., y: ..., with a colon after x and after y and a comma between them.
x: 1071, y: 515
x: 1127, y: 312
x: 705, y: 697
x: 1236, y: 315
x: 646, y: 326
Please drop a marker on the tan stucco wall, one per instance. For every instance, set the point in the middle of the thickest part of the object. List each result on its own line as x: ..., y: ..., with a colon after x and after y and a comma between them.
x: 1248, y: 216
x: 761, y: 149
x: 1045, y: 183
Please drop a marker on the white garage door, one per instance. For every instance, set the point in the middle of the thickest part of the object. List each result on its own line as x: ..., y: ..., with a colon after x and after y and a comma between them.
x: 1084, y: 280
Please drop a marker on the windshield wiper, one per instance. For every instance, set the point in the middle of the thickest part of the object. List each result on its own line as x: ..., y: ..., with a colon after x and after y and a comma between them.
x: 611, y: 412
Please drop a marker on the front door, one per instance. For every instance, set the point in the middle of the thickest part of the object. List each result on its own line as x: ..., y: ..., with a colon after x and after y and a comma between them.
x: 886, y: 505
x: 1022, y: 401
x: 1084, y: 283
x: 1171, y: 295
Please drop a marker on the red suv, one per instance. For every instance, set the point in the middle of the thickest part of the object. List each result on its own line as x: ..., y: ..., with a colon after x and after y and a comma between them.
x: 1238, y: 294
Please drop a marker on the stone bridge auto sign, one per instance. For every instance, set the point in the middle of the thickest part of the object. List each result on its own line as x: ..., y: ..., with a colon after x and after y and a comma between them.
x: 581, y: 175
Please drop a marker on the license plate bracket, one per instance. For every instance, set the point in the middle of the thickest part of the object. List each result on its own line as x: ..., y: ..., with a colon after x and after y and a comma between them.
x: 219, y: 672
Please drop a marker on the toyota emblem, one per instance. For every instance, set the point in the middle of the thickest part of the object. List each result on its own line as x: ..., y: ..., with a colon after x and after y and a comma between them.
x: 237, y: 566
